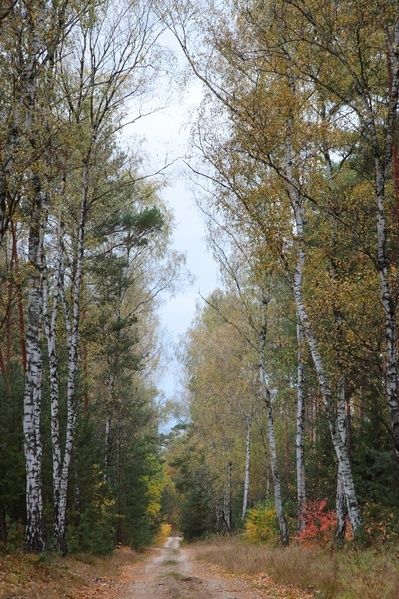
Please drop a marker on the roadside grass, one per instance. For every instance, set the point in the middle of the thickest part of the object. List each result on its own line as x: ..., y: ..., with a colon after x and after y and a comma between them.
x: 46, y: 576
x: 347, y: 573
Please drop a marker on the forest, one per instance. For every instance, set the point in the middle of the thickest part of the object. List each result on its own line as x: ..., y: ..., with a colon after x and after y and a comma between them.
x: 84, y: 253
x: 291, y: 367
x: 284, y: 428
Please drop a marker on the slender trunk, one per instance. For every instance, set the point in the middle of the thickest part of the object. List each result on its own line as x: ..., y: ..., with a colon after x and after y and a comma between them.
x: 349, y: 427
x: 219, y: 517
x: 50, y: 323
x: 389, y: 306
x: 72, y: 330
x: 227, y: 510
x: 107, y: 465
x: 9, y: 308
x: 8, y: 158
x: 339, y: 447
x: 85, y: 378
x: 325, y: 389
x: 21, y: 314
x: 33, y: 381
x: 300, y: 431
x: 385, y: 165
x: 247, y: 467
x: 267, y: 398
x: 108, y: 429
x: 26, y: 75
x: 341, y: 507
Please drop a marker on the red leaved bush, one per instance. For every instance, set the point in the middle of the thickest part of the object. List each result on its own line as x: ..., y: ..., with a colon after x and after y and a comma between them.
x: 320, y: 522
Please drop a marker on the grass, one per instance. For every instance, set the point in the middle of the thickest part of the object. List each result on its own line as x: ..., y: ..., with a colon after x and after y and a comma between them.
x: 175, y: 575
x: 47, y: 576
x: 329, y: 574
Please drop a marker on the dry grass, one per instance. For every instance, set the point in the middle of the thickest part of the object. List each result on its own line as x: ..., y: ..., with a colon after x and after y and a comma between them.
x: 345, y: 574
x: 74, y: 577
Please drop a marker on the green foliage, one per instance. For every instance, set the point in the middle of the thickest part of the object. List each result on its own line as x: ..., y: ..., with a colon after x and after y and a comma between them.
x: 12, y: 467
x: 139, y: 491
x: 193, y: 484
x: 381, y: 524
x: 94, y: 524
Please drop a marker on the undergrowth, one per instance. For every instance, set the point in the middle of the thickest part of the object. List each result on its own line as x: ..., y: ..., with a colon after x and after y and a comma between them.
x: 46, y: 576
x: 347, y: 573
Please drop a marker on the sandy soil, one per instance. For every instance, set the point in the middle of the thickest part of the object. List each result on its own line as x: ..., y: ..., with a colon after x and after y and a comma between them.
x: 172, y: 573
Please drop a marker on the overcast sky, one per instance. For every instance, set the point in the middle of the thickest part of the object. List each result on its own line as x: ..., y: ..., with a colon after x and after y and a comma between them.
x: 166, y: 134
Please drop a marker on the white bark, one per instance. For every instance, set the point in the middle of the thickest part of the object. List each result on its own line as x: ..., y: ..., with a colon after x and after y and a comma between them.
x: 267, y: 398
x: 72, y: 331
x: 107, y: 464
x: 23, y: 110
x: 247, y: 471
x: 382, y: 171
x: 325, y: 388
x: 389, y: 305
x: 300, y: 431
x: 50, y: 323
x: 341, y: 507
x: 33, y: 380
x: 227, y: 508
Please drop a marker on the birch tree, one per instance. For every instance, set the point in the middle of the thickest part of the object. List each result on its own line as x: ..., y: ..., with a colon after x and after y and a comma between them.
x: 30, y: 35
x: 111, y: 56
x: 230, y: 64
x: 34, y: 71
x: 372, y: 113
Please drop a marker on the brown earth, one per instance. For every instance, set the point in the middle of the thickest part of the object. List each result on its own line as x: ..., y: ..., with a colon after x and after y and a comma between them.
x: 172, y: 572
x: 169, y: 572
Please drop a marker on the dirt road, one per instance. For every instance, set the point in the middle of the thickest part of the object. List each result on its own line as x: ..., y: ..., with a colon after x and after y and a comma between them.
x: 171, y: 573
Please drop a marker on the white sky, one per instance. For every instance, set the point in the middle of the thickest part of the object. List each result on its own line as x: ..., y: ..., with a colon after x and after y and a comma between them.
x: 166, y: 135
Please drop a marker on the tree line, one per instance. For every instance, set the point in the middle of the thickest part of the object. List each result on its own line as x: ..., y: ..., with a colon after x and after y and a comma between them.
x: 84, y: 253
x: 292, y: 366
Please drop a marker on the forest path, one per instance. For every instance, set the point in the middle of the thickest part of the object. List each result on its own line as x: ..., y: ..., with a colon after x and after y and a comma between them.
x: 172, y: 573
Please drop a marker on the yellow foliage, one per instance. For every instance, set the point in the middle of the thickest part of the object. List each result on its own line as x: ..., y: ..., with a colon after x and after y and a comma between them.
x: 164, y: 531
x: 260, y: 524
x: 154, y: 490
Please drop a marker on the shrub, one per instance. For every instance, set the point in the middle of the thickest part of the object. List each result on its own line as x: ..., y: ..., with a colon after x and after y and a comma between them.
x: 320, y: 523
x: 261, y: 524
x: 164, y: 531
x: 381, y: 523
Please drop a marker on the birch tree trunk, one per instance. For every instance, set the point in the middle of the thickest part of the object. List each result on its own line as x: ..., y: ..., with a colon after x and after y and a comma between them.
x: 21, y: 313
x: 247, y: 471
x: 40, y: 30
x: 227, y: 510
x: 26, y: 75
x: 72, y: 331
x: 267, y: 398
x: 382, y: 172
x: 341, y: 507
x: 389, y: 306
x: 325, y: 388
x: 339, y: 447
x: 300, y: 431
x: 33, y: 380
x: 50, y: 323
x: 107, y: 464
